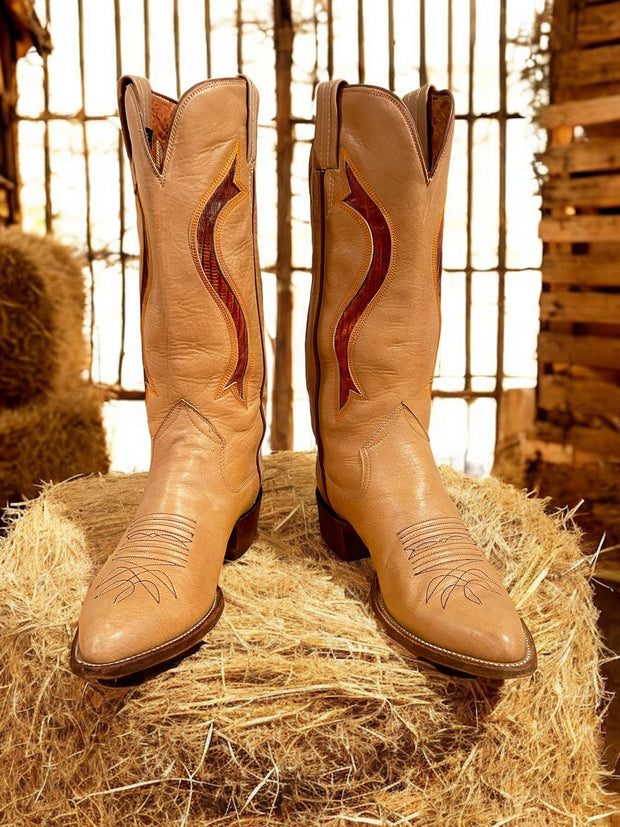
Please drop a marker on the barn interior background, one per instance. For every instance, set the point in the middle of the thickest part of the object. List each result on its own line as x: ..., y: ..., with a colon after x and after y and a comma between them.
x: 70, y: 153
x: 67, y: 157
x: 527, y: 373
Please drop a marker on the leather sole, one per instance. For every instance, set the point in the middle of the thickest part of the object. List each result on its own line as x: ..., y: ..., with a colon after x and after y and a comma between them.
x: 343, y: 540
x: 241, y: 538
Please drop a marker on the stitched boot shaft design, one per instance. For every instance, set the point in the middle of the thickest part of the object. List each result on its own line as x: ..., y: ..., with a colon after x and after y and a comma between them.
x: 192, y: 164
x: 378, y: 178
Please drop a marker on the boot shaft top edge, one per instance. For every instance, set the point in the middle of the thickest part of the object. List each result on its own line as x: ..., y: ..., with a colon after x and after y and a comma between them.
x: 145, y: 100
x: 430, y: 125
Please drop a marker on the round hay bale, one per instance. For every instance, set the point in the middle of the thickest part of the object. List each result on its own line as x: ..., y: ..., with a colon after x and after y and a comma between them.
x: 42, y: 344
x: 296, y: 710
x: 53, y: 439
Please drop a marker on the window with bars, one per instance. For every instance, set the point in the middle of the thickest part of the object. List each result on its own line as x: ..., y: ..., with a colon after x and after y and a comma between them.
x: 75, y: 182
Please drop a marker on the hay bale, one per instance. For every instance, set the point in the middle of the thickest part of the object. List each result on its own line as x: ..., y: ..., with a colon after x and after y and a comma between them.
x: 53, y: 439
x: 42, y: 344
x: 296, y: 710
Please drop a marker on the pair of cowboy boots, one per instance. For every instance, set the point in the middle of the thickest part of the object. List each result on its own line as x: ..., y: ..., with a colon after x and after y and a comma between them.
x: 378, y: 176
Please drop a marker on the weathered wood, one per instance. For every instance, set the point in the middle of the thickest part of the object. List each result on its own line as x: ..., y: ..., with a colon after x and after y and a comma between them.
x: 595, y: 480
x: 589, y: 191
x: 582, y: 113
x: 592, y: 155
x: 587, y: 270
x: 282, y: 397
x: 9, y: 200
x: 575, y: 451
x: 562, y: 35
x: 564, y: 305
x: 591, y: 351
x: 604, y: 442
x: 515, y: 421
x: 588, y: 91
x: 579, y: 67
x: 581, y: 397
x: 598, y: 24
x: 580, y: 228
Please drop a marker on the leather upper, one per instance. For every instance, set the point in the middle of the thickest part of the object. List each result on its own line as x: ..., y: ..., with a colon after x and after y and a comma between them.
x: 192, y: 164
x: 379, y: 168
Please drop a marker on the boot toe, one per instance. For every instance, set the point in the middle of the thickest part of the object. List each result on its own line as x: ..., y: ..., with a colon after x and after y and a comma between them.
x: 117, y: 644
x: 464, y: 640
x: 112, y: 640
x: 494, y: 633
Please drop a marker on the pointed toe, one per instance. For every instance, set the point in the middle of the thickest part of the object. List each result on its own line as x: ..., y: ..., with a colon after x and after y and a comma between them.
x: 115, y: 646
x: 458, y: 644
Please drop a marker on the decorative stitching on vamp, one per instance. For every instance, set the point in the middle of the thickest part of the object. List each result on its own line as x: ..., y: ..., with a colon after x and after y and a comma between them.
x: 152, y: 545
x: 444, y: 549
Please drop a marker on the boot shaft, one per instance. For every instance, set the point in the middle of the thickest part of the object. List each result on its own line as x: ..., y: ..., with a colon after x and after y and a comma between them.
x: 378, y: 184
x: 192, y: 164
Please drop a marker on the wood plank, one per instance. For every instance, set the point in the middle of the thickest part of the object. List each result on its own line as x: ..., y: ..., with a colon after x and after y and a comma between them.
x: 580, y: 228
x: 589, y: 191
x: 598, y: 24
x: 582, y: 113
x: 596, y: 480
x: 562, y: 35
x: 579, y: 67
x: 591, y: 351
x: 572, y: 306
x: 580, y: 397
x: 587, y: 92
x: 587, y: 269
x: 602, y: 441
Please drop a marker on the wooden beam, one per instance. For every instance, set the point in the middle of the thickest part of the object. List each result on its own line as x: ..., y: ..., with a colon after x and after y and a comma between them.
x: 582, y: 112
x: 580, y: 397
x: 579, y: 67
x: 598, y: 24
x: 589, y: 191
x: 591, y: 155
x: 587, y: 270
x: 590, y: 351
x: 9, y: 165
x: 595, y: 480
x: 588, y: 307
x: 580, y: 228
x: 282, y: 397
x: 604, y: 442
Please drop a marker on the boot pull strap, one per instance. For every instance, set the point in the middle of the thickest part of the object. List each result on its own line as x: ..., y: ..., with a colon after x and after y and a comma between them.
x: 325, y: 144
x: 141, y: 90
x: 417, y: 103
x: 252, y: 105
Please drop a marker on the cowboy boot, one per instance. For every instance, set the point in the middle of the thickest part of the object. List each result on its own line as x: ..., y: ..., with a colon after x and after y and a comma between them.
x: 192, y: 164
x: 379, y: 169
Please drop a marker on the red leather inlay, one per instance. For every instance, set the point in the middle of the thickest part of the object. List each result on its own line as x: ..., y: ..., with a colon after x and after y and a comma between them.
x: 359, y: 200
x: 213, y: 275
x: 162, y: 113
x: 438, y: 257
x: 145, y: 287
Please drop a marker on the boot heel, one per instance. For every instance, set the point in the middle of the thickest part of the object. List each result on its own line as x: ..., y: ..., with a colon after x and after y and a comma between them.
x: 244, y: 532
x: 338, y: 534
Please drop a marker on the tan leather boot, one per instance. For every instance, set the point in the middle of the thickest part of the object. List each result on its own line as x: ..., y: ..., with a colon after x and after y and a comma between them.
x: 379, y: 169
x: 192, y: 163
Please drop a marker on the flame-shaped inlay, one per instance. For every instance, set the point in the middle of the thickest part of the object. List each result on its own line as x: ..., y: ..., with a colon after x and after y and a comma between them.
x: 145, y: 287
x: 360, y: 201
x: 211, y: 273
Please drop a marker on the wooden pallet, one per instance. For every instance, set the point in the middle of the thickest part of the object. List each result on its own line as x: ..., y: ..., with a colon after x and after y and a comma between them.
x: 575, y: 454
